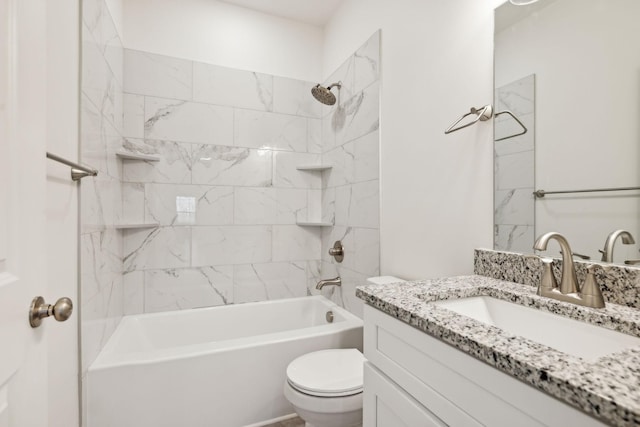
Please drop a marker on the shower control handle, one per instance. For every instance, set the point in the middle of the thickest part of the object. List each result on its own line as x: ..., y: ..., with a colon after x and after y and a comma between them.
x: 337, y: 251
x: 39, y: 310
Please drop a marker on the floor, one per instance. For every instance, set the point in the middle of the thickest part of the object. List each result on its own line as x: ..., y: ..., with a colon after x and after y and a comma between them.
x: 292, y: 422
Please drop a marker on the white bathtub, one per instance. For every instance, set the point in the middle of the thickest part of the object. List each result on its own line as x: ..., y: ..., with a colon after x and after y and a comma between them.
x: 213, y: 367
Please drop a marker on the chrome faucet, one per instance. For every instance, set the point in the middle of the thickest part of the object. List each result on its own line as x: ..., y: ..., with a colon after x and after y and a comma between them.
x: 568, y: 281
x: 607, y: 252
x: 336, y: 281
x: 569, y: 291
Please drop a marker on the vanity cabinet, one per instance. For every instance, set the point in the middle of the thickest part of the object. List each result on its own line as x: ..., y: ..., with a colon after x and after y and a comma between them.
x: 388, y: 405
x: 414, y: 379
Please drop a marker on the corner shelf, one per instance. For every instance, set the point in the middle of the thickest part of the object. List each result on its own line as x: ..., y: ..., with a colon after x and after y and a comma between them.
x: 129, y: 155
x: 314, y: 224
x: 137, y: 226
x: 314, y: 167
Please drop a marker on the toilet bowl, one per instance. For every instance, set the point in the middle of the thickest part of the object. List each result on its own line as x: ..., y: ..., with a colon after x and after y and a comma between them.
x: 325, y: 387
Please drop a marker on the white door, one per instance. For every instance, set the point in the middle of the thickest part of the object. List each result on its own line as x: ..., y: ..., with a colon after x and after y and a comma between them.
x: 63, y: 88
x: 27, y: 114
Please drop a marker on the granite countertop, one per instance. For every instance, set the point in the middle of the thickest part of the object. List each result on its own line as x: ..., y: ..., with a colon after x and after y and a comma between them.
x: 607, y: 388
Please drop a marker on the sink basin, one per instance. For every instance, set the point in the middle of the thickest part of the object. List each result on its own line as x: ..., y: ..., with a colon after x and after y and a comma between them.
x: 580, y: 339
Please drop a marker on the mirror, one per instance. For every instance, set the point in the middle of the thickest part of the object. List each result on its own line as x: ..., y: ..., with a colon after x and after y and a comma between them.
x: 570, y: 71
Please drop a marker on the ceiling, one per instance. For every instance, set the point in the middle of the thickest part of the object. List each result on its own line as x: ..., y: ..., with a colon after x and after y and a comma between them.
x: 314, y: 12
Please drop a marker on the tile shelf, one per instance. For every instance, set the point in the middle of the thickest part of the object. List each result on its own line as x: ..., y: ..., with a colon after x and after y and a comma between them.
x: 129, y: 155
x: 314, y: 167
x: 314, y: 224
x: 133, y: 226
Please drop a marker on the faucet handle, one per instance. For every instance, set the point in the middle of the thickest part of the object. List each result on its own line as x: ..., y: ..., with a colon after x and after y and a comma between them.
x: 591, y: 292
x: 577, y: 255
x: 548, y: 280
x: 592, y: 268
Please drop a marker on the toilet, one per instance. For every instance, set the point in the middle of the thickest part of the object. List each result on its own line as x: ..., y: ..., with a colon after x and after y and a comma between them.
x: 325, y: 387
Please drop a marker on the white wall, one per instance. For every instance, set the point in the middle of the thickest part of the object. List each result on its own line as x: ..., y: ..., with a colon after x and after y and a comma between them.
x: 222, y: 34
x: 436, y: 189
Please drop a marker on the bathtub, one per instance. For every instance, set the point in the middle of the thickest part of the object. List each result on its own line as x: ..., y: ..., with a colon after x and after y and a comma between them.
x: 213, y: 367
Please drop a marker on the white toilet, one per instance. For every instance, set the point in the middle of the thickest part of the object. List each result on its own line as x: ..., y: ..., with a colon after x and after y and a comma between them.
x: 325, y: 387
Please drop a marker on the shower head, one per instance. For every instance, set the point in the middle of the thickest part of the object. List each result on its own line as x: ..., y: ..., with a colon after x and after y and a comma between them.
x: 324, y: 94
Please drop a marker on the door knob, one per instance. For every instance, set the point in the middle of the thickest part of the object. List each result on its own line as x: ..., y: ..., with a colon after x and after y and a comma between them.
x: 39, y: 310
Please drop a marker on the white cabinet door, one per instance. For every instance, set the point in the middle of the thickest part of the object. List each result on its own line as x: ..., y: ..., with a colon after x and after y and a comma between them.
x: 387, y: 405
x: 459, y: 389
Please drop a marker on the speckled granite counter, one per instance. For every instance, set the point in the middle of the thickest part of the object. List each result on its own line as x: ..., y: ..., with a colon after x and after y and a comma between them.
x: 608, y: 388
x: 620, y: 284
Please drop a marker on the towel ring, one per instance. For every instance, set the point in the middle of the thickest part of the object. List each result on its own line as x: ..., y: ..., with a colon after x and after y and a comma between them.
x: 483, y: 114
x: 524, y: 128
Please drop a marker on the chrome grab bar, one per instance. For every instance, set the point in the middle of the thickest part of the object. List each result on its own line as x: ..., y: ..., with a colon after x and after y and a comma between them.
x: 77, y: 171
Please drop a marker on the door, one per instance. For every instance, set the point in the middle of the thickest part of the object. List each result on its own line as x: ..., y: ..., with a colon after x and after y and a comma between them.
x: 27, y: 115
x: 63, y: 87
x: 385, y: 404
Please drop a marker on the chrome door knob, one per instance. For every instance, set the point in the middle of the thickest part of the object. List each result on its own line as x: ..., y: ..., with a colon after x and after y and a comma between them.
x: 39, y: 310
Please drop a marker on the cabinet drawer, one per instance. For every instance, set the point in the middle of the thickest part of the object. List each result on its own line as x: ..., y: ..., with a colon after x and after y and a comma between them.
x: 387, y: 405
x: 457, y: 388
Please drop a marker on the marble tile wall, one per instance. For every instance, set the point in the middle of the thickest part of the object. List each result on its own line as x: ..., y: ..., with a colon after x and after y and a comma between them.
x: 101, y: 122
x: 514, y: 177
x: 351, y: 195
x: 226, y: 192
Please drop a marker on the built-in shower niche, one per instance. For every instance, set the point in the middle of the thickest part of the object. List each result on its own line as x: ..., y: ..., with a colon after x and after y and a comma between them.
x: 313, y: 216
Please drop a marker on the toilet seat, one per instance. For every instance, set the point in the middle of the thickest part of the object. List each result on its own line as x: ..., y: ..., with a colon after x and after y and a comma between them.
x: 328, y: 373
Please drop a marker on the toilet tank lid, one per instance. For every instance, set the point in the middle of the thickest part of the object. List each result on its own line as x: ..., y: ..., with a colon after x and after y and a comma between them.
x: 383, y: 280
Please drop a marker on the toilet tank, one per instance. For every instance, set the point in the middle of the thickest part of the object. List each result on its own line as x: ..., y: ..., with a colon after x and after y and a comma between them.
x: 383, y: 280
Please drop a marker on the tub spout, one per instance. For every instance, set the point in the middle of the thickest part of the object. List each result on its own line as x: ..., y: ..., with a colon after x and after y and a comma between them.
x: 336, y: 281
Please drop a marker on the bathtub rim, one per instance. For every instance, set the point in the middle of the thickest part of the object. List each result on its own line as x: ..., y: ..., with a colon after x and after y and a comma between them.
x: 109, y: 358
